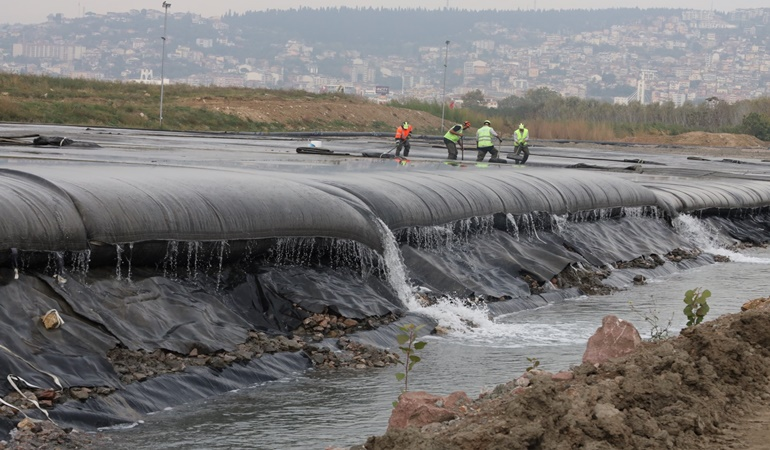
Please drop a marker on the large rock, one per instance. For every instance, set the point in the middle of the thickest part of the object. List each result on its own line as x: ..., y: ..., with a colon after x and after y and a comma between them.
x: 756, y: 303
x: 614, y: 338
x: 417, y: 409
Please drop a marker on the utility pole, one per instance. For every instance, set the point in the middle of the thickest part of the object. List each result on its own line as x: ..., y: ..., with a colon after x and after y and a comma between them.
x: 443, y: 95
x: 166, y: 6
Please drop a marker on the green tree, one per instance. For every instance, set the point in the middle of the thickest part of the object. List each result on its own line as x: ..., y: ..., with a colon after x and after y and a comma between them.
x: 473, y: 99
x: 756, y: 124
x: 408, y: 344
x: 697, y: 305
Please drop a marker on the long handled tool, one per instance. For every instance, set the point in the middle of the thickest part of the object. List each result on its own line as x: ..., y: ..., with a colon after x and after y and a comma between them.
x: 388, y: 152
x: 462, y: 149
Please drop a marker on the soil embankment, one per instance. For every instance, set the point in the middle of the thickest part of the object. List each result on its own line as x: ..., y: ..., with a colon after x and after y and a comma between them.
x: 707, y: 388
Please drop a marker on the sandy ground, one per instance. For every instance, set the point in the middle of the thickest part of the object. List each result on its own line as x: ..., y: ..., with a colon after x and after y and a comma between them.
x: 696, y: 143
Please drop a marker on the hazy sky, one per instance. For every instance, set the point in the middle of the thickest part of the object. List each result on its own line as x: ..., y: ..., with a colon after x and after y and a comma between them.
x: 36, y: 11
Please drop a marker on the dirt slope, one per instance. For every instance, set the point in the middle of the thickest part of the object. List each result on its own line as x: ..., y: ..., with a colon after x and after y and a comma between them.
x: 706, y: 389
x: 335, y: 114
x: 700, y: 138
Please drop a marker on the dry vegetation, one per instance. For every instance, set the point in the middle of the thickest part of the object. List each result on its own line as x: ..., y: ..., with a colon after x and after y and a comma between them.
x: 32, y: 99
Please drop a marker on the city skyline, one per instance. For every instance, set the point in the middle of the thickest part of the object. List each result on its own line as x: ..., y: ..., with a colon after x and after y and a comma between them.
x: 38, y: 11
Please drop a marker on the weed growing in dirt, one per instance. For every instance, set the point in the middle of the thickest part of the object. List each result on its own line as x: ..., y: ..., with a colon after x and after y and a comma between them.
x: 658, y: 331
x: 696, y: 308
x: 408, y: 344
x: 533, y: 364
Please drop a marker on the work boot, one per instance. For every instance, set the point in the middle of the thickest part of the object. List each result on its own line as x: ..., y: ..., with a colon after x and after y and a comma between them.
x: 60, y: 279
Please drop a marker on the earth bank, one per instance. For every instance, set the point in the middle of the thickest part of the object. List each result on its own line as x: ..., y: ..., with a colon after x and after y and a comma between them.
x: 706, y: 388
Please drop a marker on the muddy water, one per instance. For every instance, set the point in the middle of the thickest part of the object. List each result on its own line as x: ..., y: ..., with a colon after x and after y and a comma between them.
x: 317, y: 410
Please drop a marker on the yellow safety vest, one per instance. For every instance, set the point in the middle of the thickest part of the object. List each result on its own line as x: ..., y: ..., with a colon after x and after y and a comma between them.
x: 454, y: 137
x: 484, y: 137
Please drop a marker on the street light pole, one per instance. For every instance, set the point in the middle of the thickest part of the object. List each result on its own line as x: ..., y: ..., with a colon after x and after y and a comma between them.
x: 166, y: 5
x: 443, y: 95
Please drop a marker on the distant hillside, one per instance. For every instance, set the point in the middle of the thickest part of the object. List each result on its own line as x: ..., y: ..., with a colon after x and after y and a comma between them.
x: 34, y: 99
x: 383, y: 32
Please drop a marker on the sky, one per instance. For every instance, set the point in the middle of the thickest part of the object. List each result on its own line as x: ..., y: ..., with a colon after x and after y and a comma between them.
x: 36, y: 11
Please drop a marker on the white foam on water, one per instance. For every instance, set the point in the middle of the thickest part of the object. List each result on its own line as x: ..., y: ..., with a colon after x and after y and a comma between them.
x: 706, y: 238
x: 470, y: 325
x: 467, y: 323
x: 121, y: 426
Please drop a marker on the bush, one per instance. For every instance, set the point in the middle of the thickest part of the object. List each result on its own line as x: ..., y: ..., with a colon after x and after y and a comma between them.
x: 757, y: 125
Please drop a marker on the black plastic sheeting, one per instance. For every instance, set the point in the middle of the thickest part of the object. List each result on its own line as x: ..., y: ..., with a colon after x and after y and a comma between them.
x: 155, y: 394
x: 121, y: 204
x: 37, y: 215
x: 624, y: 239
x: 694, y: 195
x: 50, y: 209
x: 129, y: 285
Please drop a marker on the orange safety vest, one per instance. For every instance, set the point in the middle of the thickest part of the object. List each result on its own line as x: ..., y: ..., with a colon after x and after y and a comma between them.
x: 401, y: 133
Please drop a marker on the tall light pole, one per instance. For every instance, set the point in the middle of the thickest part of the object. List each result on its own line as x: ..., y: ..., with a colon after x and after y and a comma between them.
x: 443, y: 94
x: 166, y: 6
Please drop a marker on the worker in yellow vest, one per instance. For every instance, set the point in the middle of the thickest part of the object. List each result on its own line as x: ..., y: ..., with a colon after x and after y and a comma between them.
x: 484, y: 143
x: 453, y: 136
x: 521, y: 143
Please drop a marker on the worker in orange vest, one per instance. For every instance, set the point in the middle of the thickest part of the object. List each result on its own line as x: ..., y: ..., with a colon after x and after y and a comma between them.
x: 403, y: 133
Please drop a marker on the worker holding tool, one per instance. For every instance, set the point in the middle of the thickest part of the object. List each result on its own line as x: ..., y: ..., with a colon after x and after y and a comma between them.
x: 521, y: 142
x: 484, y: 143
x: 454, y: 135
x: 403, y: 133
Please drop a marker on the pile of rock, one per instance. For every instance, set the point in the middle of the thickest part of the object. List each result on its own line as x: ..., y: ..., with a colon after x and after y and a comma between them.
x: 33, y: 434
x: 350, y: 354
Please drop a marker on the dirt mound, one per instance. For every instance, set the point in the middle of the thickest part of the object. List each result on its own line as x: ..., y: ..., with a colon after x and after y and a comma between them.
x: 701, y: 139
x: 682, y: 393
x: 334, y: 114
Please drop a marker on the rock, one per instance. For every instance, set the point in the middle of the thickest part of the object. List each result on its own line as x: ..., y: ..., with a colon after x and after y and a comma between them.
x: 603, y: 411
x: 563, y: 376
x: 457, y: 400
x: 614, y: 338
x: 140, y: 376
x: 417, y: 409
x: 52, y: 320
x: 45, y: 394
x: 441, y: 331
x: 756, y: 303
x: 26, y: 424
x: 80, y: 393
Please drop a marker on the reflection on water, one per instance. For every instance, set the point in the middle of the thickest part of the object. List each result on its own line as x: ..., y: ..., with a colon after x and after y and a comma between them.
x: 319, y: 410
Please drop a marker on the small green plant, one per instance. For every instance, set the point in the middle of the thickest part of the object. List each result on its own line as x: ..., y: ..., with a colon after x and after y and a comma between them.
x: 534, y: 363
x: 408, y: 344
x: 658, y: 331
x: 696, y: 308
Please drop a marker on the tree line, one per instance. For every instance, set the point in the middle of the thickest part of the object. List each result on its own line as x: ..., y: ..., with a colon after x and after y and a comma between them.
x: 546, y: 105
